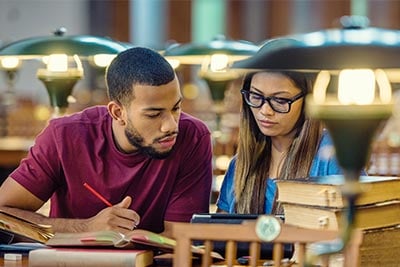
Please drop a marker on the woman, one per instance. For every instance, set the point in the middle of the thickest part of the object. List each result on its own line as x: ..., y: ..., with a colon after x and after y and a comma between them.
x: 276, y: 140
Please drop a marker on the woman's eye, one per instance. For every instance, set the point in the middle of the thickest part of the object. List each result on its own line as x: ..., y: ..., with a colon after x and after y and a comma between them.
x: 280, y: 100
x: 256, y: 97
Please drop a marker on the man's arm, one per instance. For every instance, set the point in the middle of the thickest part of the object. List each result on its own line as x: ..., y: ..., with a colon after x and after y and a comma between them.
x: 17, y: 200
x: 167, y: 229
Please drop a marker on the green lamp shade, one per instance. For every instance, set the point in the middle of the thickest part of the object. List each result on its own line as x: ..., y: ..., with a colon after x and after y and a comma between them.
x: 59, y: 84
x: 81, y: 45
x: 194, y: 53
x: 197, y: 54
x: 332, y: 49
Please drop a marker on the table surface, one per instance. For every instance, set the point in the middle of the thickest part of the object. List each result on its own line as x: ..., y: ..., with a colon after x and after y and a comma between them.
x: 25, y: 263
x: 11, y: 263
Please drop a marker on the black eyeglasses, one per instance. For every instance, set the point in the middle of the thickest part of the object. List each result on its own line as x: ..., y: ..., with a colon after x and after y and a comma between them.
x: 278, y: 104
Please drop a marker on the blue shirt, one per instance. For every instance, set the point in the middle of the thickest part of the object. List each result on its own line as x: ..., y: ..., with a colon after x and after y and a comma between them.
x: 324, y: 163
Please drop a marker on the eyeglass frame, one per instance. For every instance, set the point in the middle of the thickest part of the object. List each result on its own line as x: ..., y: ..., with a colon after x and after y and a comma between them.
x: 264, y: 99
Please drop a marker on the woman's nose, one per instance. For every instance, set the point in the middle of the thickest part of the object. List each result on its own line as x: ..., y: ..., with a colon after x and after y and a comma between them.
x: 266, y: 109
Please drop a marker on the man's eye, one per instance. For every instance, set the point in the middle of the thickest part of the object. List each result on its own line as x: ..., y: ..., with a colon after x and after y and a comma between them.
x: 176, y: 108
x: 153, y: 115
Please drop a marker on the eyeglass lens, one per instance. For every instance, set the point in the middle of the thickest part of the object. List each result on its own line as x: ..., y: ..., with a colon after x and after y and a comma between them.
x: 257, y: 100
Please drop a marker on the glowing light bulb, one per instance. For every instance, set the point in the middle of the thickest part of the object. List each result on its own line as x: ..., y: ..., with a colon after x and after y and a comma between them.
x: 78, y: 62
x: 321, y: 84
x: 219, y: 62
x: 61, y: 65
x: 174, y: 63
x: 103, y: 60
x: 385, y: 90
x: 9, y: 63
x: 57, y: 63
x: 356, y: 86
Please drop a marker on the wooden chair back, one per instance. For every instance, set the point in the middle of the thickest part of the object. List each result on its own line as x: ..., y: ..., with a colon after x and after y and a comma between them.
x: 186, y: 233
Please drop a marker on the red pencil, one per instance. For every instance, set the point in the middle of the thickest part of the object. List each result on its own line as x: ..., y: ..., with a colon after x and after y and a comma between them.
x: 97, y: 194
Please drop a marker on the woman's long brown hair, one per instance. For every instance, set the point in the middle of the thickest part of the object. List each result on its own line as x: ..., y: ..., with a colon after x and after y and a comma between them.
x: 254, y: 152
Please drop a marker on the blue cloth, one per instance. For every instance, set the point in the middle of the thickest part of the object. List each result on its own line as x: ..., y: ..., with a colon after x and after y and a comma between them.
x: 324, y: 164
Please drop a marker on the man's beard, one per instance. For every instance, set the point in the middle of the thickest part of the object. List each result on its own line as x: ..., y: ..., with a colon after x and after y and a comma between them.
x: 136, y: 140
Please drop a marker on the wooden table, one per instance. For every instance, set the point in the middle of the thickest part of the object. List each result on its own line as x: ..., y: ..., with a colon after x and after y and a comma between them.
x: 25, y: 263
x: 9, y: 263
x: 12, y: 150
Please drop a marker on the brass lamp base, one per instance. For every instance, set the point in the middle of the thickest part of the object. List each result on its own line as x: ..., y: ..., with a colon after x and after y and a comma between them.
x: 352, y: 128
x: 58, y: 90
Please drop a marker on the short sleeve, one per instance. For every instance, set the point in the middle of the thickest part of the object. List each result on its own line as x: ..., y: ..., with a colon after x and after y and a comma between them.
x: 226, y: 198
x: 325, y: 162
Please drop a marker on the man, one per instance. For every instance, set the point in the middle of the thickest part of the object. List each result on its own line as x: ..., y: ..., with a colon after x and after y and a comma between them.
x: 151, y: 161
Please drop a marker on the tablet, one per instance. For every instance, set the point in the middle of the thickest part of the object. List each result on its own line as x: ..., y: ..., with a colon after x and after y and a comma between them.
x: 229, y: 218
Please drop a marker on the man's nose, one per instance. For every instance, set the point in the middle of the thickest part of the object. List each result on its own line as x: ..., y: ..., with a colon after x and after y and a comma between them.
x: 170, y: 123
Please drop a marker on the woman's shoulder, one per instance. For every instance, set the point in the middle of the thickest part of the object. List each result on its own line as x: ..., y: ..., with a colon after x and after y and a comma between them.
x: 326, y: 147
x: 326, y: 139
x: 325, y: 162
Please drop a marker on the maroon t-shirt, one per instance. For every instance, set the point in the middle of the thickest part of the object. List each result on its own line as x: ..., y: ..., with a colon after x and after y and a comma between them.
x: 80, y: 148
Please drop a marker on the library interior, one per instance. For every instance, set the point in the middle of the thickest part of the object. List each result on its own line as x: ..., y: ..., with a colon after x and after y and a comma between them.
x: 351, y: 48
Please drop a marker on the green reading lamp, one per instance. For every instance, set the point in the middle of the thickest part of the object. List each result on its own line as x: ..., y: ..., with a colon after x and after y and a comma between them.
x: 10, y: 67
x: 62, y: 57
x: 214, y: 59
x: 352, y: 92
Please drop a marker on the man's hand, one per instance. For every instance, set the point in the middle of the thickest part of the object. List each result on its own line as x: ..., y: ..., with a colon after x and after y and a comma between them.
x: 18, y: 201
x: 117, y: 218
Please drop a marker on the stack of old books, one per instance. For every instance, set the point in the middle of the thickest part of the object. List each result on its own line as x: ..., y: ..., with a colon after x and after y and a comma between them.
x: 319, y: 203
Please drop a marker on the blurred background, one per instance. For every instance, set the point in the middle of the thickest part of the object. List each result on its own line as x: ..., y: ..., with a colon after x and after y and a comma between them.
x: 24, y: 103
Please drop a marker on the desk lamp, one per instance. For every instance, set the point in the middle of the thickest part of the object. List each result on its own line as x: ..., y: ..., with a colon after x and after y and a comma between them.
x: 214, y: 59
x: 351, y: 95
x: 10, y: 66
x: 62, y: 58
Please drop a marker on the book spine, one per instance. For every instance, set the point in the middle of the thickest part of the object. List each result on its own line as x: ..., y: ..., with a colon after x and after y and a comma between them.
x: 82, y: 258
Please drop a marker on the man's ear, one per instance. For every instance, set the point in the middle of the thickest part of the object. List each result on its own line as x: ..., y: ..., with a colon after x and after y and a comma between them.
x: 116, y: 111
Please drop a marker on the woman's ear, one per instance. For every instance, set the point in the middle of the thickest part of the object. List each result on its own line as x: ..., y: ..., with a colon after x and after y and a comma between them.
x: 117, y: 112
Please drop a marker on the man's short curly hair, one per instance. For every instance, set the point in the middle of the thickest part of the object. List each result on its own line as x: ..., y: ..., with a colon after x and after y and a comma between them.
x: 138, y: 65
